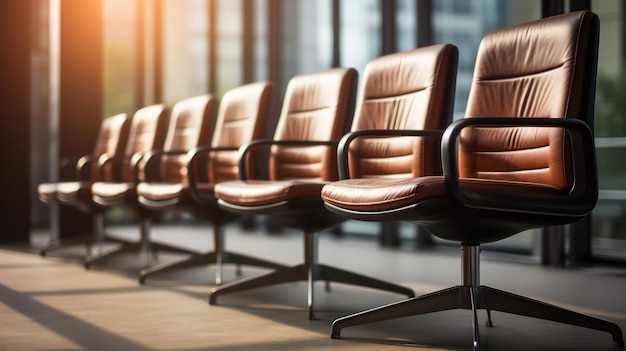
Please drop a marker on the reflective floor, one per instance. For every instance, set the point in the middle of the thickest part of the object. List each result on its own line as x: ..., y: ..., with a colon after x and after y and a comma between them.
x: 53, y: 303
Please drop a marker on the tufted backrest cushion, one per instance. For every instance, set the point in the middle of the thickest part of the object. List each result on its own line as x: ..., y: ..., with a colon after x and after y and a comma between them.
x: 191, y: 124
x: 317, y: 106
x: 544, y: 68
x: 146, y: 133
x: 407, y: 90
x: 242, y: 117
x: 110, y: 141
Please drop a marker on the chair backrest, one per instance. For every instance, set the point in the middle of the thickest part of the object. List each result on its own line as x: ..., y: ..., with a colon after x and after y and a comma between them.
x: 191, y: 124
x: 110, y: 141
x: 146, y: 133
x: 317, y: 106
x: 406, y: 90
x: 242, y: 117
x: 544, y: 68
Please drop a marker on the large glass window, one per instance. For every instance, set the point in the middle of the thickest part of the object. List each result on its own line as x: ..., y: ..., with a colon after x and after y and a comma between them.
x: 307, y: 35
x: 229, y: 47
x: 406, y: 20
x: 185, y: 49
x: 609, y: 217
x: 260, y: 40
x: 119, y: 56
x: 360, y: 39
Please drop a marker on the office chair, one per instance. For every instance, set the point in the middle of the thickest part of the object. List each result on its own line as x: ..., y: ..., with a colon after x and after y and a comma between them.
x: 242, y: 117
x: 73, y: 191
x: 190, y: 124
x: 522, y: 158
x: 410, y: 90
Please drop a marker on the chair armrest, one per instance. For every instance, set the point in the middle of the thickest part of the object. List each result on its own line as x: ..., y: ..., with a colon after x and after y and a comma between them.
x: 342, y: 148
x: 151, y: 159
x: 82, y: 171
x: 113, y: 161
x: 193, y: 156
x: 579, y: 200
x: 245, y: 149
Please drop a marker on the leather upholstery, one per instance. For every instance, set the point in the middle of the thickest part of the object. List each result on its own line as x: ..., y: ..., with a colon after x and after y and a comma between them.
x: 146, y: 133
x: 406, y: 90
x: 543, y: 80
x: 520, y: 72
x: 317, y: 107
x: 192, y: 124
x: 109, y: 143
x: 110, y: 140
x: 509, y: 166
x: 242, y: 117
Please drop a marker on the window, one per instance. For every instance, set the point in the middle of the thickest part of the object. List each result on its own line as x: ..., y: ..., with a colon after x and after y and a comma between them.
x: 119, y: 56
x: 185, y: 49
x: 609, y: 216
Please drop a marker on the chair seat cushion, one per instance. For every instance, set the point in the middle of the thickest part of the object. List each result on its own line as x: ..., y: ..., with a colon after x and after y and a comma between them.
x: 73, y: 191
x: 113, y: 194
x: 161, y: 191
x: 47, y: 192
x: 261, y: 192
x: 163, y: 196
x: 384, y: 194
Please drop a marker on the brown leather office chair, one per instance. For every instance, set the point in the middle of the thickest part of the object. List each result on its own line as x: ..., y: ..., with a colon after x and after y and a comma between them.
x: 71, y: 191
x: 191, y: 123
x: 406, y: 90
x: 242, y: 117
x: 522, y: 158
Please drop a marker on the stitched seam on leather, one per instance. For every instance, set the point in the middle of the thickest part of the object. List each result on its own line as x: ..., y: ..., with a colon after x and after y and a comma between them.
x: 396, y: 97
x: 525, y: 75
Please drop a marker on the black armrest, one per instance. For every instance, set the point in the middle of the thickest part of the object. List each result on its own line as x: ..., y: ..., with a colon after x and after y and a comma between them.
x: 152, y: 157
x: 581, y: 198
x: 104, y: 161
x: 247, y: 148
x: 82, y: 172
x: 342, y: 148
x: 192, y: 158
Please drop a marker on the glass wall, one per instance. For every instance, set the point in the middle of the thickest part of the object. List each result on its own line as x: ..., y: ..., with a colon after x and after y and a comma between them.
x: 120, y: 43
x: 185, y: 49
x: 360, y: 35
x: 306, y: 42
x: 308, y: 35
x: 609, y: 217
x: 229, y: 48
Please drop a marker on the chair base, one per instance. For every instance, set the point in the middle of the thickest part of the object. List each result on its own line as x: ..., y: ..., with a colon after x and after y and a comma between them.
x: 207, y: 259
x: 474, y: 298
x: 309, y: 271
x: 96, y: 237
x: 86, y: 240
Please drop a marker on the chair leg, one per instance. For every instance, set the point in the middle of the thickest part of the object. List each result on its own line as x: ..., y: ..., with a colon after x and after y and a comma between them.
x: 143, y: 245
x: 58, y: 243
x: 507, y: 302
x: 309, y: 271
x: 448, y: 299
x: 472, y: 296
x: 341, y: 276
x: 124, y: 247
x: 218, y: 257
x: 95, y: 237
x: 279, y: 276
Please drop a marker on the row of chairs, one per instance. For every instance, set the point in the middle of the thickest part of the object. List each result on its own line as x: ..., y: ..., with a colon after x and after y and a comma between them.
x: 392, y: 154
